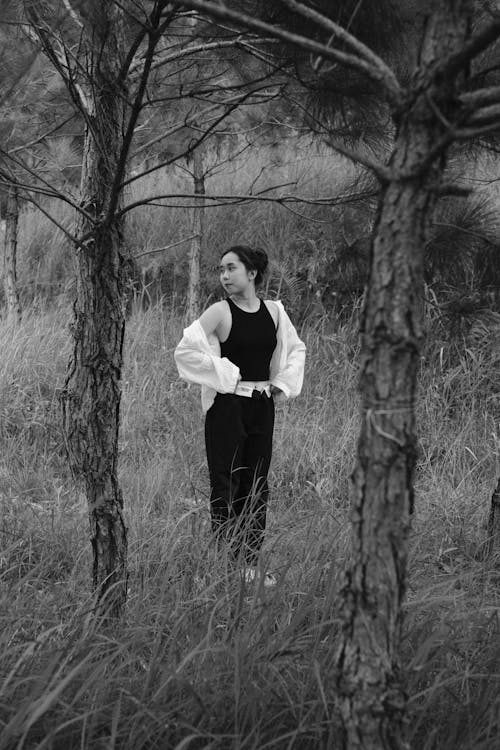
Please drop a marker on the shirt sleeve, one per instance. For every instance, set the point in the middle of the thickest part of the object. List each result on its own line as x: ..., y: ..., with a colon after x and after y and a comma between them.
x: 291, y: 376
x: 196, y: 363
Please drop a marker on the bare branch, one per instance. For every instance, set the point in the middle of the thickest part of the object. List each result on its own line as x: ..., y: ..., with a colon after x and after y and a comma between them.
x: 128, y: 66
x: 230, y: 106
x: 40, y: 137
x: 196, y: 49
x: 167, y: 247
x: 201, y: 117
x: 7, y: 180
x: 57, y: 223
x: 393, y: 90
x: 228, y: 200
x: 30, y: 190
x: 54, y: 221
x: 117, y: 185
x: 47, y: 188
x: 185, y: 123
x: 449, y: 188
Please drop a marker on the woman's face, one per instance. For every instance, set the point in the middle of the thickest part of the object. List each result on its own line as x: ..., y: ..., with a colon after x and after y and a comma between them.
x: 234, y: 275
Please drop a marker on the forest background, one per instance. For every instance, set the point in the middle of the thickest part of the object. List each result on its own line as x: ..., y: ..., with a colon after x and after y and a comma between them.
x: 194, y: 664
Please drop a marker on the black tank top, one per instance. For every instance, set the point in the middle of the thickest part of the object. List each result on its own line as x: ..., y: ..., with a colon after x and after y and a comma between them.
x: 251, y: 341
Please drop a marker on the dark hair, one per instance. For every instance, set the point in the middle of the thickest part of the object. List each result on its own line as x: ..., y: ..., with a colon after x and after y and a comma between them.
x: 253, y: 258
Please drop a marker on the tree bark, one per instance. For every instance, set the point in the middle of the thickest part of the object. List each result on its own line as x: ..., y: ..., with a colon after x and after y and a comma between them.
x: 372, y: 699
x: 92, y: 393
x: 198, y: 220
x: 493, y: 540
x: 10, y: 256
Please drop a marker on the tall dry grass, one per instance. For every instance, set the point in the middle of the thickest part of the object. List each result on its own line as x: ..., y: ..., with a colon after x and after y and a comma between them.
x: 200, y: 662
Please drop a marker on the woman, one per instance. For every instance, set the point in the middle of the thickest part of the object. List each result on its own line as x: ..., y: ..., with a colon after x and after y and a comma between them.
x: 245, y: 354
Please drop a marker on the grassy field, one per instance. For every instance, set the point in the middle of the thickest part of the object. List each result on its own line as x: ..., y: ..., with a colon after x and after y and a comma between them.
x: 197, y: 663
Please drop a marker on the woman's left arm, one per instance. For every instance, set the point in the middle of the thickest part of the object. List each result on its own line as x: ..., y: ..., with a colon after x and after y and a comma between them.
x: 290, y: 377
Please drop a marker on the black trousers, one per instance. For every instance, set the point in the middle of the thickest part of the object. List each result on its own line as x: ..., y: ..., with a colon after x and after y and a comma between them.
x: 239, y: 439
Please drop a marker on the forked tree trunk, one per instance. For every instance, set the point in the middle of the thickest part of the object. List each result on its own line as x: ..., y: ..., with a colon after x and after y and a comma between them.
x: 372, y: 699
x: 10, y: 256
x: 93, y: 387
x: 198, y: 220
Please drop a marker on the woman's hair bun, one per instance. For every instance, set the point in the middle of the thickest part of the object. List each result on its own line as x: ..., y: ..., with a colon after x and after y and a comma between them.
x: 260, y: 258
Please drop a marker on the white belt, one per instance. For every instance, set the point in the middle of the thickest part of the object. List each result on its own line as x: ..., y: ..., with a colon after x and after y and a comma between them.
x: 247, y: 388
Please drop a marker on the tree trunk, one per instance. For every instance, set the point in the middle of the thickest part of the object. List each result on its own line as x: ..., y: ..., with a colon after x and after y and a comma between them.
x: 10, y: 256
x: 372, y: 699
x: 193, y: 293
x: 493, y: 541
x: 92, y: 393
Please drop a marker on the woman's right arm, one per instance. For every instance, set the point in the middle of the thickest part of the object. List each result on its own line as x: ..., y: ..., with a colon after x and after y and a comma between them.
x: 211, y: 318
x: 196, y: 362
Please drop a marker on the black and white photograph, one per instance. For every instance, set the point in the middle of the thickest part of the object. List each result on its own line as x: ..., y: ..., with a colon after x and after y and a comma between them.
x: 250, y: 375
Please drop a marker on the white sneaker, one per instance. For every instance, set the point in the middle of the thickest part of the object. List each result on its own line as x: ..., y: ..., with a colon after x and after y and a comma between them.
x: 252, y: 574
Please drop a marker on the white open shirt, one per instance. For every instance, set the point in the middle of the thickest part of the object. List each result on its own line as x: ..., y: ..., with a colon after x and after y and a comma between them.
x: 198, y: 359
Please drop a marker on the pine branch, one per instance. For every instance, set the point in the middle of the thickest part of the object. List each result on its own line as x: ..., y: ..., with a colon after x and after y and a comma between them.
x: 389, y: 84
x: 464, y: 230
x: 381, y: 171
x: 480, y: 97
x: 460, y: 60
x: 489, y: 114
x: 355, y: 44
x: 468, y: 133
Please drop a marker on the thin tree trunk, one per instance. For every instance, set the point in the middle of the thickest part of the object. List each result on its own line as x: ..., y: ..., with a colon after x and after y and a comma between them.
x: 10, y: 256
x: 195, y: 254
x: 372, y: 699
x: 92, y: 393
